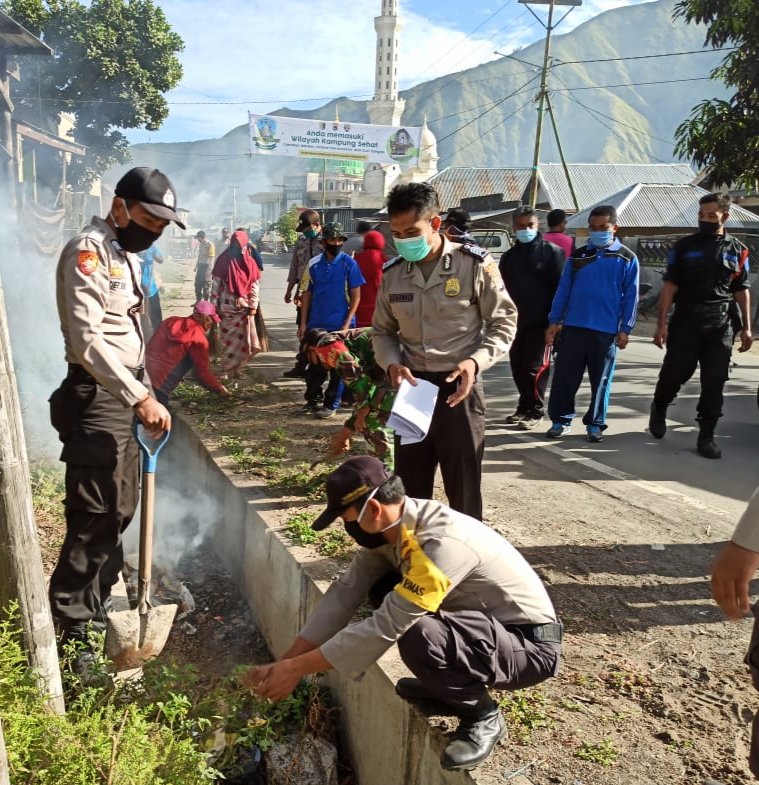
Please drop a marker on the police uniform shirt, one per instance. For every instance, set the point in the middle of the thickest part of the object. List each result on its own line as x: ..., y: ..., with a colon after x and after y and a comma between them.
x: 434, y: 324
x: 99, y: 302
x: 305, y: 250
x: 746, y: 533
x: 447, y: 561
x: 707, y: 269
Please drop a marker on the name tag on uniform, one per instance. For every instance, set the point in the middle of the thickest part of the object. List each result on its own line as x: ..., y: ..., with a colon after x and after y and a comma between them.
x: 401, y: 297
x: 452, y: 287
x: 117, y: 286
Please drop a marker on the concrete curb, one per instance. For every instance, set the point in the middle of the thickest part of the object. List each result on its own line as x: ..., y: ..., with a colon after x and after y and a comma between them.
x: 387, y: 740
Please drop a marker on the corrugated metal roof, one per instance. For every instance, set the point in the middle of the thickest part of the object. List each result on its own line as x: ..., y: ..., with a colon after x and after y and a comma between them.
x: 592, y: 182
x: 464, y: 182
x: 17, y: 40
x: 658, y: 206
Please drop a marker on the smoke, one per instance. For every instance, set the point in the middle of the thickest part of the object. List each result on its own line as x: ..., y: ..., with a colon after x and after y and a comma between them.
x: 28, y: 280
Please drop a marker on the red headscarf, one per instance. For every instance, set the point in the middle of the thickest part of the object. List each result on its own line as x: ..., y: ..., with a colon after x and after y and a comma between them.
x: 236, y: 267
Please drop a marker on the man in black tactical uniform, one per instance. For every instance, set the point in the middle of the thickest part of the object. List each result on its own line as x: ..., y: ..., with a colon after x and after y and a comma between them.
x: 706, y: 272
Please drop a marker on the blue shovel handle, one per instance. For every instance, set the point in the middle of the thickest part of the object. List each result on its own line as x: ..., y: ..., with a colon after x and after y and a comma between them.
x: 149, y: 447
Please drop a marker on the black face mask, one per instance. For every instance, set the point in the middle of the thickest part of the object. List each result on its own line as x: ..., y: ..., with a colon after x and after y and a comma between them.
x: 362, y: 538
x: 332, y: 250
x: 135, y: 238
x: 708, y: 227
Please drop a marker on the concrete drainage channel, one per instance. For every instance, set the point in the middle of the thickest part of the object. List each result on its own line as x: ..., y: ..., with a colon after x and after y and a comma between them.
x: 388, y: 742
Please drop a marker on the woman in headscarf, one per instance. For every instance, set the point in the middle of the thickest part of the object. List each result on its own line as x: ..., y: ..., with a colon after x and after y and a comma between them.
x: 234, y: 292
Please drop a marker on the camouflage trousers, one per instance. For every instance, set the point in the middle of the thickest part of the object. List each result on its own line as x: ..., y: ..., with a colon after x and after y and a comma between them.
x: 380, y: 439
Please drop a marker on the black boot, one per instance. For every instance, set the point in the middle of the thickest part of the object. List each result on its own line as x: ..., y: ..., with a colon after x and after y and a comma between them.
x: 475, y: 737
x: 706, y: 445
x: 657, y: 421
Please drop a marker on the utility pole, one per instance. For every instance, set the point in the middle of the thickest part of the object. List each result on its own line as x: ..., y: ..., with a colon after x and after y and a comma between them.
x: 543, y: 94
x: 21, y: 575
x: 234, y: 206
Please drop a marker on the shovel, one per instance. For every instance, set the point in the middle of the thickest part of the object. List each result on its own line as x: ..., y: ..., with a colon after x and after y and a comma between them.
x: 133, y: 637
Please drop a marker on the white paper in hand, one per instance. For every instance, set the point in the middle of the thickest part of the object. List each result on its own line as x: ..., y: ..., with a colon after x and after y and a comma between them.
x: 411, y: 414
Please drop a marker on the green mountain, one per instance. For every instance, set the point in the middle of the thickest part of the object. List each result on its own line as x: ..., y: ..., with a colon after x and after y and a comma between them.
x: 486, y: 116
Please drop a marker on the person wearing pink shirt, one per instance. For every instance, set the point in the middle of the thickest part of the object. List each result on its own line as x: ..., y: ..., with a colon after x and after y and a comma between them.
x: 557, y: 221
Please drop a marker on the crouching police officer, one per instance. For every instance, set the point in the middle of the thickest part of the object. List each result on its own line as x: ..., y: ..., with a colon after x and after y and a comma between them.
x: 706, y: 273
x: 467, y: 611
x: 99, y: 303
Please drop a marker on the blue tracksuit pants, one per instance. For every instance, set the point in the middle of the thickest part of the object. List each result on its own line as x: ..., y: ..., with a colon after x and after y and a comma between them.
x: 578, y: 349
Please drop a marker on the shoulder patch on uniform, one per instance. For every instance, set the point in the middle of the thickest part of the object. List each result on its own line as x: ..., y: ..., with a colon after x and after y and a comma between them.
x: 391, y: 263
x: 87, y: 262
x: 476, y: 251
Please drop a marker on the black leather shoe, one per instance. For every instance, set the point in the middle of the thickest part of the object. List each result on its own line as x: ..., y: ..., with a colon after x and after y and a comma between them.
x: 657, y: 422
x: 295, y: 373
x: 473, y: 741
x: 414, y: 691
x: 707, y: 447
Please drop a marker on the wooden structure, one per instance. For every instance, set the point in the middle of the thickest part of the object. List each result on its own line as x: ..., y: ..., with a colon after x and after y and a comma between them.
x: 21, y: 574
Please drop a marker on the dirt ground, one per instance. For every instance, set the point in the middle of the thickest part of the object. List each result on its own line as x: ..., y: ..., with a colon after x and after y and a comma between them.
x: 652, y: 687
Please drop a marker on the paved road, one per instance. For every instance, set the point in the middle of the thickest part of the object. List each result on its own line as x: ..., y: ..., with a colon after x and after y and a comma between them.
x: 672, y: 464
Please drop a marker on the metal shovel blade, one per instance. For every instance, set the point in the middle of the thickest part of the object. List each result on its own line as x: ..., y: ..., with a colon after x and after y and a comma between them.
x: 134, y: 637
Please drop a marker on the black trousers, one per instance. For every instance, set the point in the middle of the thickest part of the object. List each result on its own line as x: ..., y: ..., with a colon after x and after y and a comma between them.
x: 458, y: 655
x: 102, y: 491
x: 752, y: 660
x: 316, y: 375
x: 456, y: 442
x: 526, y: 357
x: 694, y: 341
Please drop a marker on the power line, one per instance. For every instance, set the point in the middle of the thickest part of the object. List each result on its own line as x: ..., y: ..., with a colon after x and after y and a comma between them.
x: 641, y: 57
x: 465, y: 38
x: 632, y: 84
x: 482, y: 114
x: 493, y: 127
x: 611, y: 129
x: 619, y: 122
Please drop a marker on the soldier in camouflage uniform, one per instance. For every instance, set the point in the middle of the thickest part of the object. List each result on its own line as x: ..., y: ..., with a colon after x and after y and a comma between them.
x: 351, y: 353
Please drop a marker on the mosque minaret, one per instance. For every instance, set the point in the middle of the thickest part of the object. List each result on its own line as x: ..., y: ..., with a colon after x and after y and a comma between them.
x: 386, y: 108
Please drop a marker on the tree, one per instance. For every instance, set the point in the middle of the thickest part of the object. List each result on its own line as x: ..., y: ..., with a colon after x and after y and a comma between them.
x: 723, y: 136
x: 113, y: 61
x: 286, y: 225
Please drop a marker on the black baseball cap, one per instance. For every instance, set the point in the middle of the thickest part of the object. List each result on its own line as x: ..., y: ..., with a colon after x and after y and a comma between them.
x: 354, y: 479
x: 153, y: 190
x: 458, y: 218
x: 307, y: 218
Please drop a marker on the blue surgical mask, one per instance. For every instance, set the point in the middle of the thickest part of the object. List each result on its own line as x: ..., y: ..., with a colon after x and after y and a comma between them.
x: 602, y: 239
x: 526, y: 235
x: 413, y: 249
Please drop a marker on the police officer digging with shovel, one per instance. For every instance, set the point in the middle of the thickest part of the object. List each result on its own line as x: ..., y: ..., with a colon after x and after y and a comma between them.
x: 99, y: 304
x: 465, y: 608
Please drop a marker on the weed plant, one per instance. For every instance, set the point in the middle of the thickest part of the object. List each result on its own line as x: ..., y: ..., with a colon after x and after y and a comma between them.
x: 168, y: 728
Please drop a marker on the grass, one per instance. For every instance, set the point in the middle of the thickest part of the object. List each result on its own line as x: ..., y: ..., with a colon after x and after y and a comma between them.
x: 525, y: 712
x: 48, y: 490
x: 604, y: 752
x: 331, y: 542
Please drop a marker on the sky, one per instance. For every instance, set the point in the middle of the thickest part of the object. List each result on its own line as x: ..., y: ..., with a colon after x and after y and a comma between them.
x: 258, y: 55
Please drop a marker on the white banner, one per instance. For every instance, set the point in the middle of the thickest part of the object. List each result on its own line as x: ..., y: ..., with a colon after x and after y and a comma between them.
x: 385, y: 144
